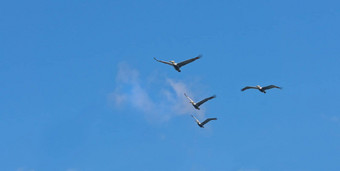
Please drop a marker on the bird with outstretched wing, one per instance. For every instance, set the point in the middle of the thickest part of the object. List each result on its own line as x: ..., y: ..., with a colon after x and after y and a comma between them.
x: 205, y: 100
x: 191, y: 101
x: 207, y: 120
x: 169, y: 63
x: 196, y: 105
x: 204, y: 122
x: 270, y: 87
x: 188, y: 61
x: 248, y: 87
x: 177, y: 66
x: 261, y: 89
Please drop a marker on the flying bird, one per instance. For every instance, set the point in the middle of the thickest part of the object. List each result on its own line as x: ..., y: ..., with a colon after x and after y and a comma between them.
x: 177, y: 66
x: 262, y: 89
x: 204, y: 122
x: 196, y: 105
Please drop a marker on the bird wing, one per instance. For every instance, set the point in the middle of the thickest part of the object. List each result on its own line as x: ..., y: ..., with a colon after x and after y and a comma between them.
x: 195, y: 118
x: 188, y: 98
x: 204, y: 100
x: 270, y: 86
x: 188, y: 61
x: 248, y: 87
x: 207, y: 120
x: 163, y: 61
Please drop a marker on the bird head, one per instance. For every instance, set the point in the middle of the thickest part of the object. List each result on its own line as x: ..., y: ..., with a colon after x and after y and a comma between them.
x: 173, y: 62
x: 259, y: 87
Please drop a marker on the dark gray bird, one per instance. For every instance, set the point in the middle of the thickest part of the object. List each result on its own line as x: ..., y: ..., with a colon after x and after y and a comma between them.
x: 204, y: 122
x: 196, y: 105
x: 177, y: 66
x: 262, y: 89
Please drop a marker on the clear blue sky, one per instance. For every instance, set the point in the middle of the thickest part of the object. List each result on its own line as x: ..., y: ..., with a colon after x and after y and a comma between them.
x: 80, y: 90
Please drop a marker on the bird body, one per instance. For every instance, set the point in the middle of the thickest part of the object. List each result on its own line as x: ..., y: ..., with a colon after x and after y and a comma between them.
x: 261, y: 89
x: 196, y: 105
x: 204, y: 122
x: 177, y: 66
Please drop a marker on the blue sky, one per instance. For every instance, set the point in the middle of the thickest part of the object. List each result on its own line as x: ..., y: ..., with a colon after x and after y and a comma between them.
x: 81, y: 92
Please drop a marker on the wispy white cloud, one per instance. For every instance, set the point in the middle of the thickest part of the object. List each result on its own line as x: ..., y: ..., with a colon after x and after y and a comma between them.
x: 156, y: 103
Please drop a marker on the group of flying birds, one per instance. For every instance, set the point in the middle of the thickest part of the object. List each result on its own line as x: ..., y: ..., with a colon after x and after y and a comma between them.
x: 178, y: 66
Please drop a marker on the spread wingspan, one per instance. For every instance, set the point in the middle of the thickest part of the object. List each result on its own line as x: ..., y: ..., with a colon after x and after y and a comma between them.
x: 248, y: 87
x: 163, y: 61
x: 188, y: 61
x: 195, y: 119
x: 189, y: 98
x: 207, y: 120
x: 205, y: 100
x: 270, y: 86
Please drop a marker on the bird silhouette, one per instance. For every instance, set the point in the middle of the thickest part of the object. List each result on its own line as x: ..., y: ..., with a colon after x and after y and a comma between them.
x: 177, y: 66
x: 204, y: 122
x: 196, y: 105
x: 261, y: 89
